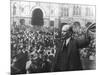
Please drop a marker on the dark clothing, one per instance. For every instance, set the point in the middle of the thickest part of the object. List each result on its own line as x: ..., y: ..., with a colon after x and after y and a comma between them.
x: 68, y: 58
x: 20, y: 63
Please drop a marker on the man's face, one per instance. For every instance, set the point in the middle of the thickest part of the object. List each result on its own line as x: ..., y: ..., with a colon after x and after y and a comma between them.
x: 65, y: 31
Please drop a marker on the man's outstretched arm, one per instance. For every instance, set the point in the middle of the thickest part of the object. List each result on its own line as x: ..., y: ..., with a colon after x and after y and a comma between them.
x: 81, y: 43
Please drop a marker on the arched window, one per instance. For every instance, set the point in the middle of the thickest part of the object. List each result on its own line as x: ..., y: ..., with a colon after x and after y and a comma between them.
x: 37, y: 17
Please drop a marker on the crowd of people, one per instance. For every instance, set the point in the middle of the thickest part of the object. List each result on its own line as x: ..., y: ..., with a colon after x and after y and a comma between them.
x: 40, y: 49
x: 39, y: 45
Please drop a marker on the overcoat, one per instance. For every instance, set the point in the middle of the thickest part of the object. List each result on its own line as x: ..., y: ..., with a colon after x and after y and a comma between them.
x: 68, y: 58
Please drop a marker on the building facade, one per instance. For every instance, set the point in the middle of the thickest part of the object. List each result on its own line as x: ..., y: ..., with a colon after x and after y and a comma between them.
x: 53, y: 13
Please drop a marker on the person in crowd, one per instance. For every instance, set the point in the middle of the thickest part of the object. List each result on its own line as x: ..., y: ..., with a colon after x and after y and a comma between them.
x: 13, y: 25
x: 68, y: 58
x: 27, y: 41
x: 22, y: 25
x: 22, y: 22
x: 19, y: 64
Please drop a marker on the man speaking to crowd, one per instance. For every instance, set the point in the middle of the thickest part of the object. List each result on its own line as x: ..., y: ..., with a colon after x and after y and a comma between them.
x: 68, y: 58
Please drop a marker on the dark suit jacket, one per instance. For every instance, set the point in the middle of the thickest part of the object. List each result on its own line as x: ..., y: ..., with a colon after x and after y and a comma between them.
x: 68, y: 58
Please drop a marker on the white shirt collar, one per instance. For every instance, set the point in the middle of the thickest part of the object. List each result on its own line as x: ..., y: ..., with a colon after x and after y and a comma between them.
x: 67, y: 41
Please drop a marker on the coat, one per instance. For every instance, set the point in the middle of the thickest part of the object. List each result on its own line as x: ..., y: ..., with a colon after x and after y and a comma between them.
x: 68, y: 58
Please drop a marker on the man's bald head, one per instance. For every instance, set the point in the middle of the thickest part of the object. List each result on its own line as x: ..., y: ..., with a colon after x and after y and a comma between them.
x: 67, y: 30
x: 66, y: 27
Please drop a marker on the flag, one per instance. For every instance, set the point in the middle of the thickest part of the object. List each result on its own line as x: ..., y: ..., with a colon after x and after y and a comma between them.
x: 92, y: 27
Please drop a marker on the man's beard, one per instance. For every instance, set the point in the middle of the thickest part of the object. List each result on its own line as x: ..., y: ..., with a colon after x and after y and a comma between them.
x: 66, y: 36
